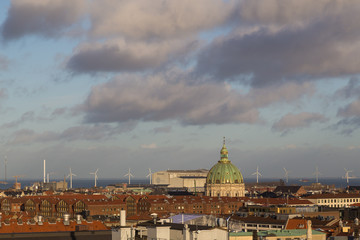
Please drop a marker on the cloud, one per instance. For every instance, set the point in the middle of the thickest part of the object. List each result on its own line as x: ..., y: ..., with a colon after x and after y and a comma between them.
x: 158, y: 19
x: 76, y: 133
x: 121, y: 55
x: 352, y: 89
x: 165, y: 129
x: 352, y: 147
x: 321, y: 48
x: 28, y: 116
x: 350, y: 113
x: 3, y: 93
x: 49, y: 18
x: 162, y: 96
x: 351, y: 110
x: 346, y: 126
x: 149, y: 146
x: 294, y: 12
x: 4, y: 63
x: 295, y: 121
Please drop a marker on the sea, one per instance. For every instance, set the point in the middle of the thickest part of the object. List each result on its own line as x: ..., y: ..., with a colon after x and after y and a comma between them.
x: 88, y: 183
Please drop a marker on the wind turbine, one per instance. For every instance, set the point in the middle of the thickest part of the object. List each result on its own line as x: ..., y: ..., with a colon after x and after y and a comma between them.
x: 347, y: 176
x: 48, y: 176
x: 70, y: 176
x: 317, y: 173
x: 286, y: 175
x: 129, y: 175
x: 149, y: 175
x: 95, y: 175
x: 257, y: 173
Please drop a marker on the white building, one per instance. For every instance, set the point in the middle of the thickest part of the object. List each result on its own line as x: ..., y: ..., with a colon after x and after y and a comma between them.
x: 194, y: 180
x: 335, y: 200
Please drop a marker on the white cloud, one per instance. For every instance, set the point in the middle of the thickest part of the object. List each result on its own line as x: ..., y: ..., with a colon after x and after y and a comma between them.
x: 142, y: 19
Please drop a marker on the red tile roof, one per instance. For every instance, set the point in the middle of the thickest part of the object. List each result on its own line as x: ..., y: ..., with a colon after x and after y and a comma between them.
x: 296, y: 224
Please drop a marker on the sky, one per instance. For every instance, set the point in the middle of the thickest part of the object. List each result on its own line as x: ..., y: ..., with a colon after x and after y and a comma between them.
x: 119, y: 84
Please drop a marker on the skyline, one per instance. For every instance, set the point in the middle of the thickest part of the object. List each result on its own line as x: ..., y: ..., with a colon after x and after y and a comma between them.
x: 121, y: 85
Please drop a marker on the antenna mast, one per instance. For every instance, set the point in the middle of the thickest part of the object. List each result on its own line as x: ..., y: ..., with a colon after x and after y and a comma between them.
x: 5, y: 167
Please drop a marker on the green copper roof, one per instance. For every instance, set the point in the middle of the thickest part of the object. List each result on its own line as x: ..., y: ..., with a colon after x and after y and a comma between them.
x: 224, y: 171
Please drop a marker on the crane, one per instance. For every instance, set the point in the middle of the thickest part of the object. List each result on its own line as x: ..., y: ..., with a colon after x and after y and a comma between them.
x: 16, y: 178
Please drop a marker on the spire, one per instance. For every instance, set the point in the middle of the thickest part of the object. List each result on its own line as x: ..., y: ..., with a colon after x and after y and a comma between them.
x: 224, y: 153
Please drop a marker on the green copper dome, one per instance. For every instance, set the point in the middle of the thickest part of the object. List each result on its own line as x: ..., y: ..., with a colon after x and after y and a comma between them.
x: 224, y: 172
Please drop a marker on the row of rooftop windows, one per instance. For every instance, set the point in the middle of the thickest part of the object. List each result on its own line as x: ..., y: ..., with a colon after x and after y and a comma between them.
x: 351, y: 200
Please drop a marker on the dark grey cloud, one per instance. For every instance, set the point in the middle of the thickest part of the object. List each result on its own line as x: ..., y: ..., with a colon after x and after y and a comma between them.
x: 172, y: 96
x: 322, y: 48
x: 120, y: 55
x: 48, y: 18
x: 346, y: 126
x: 350, y: 113
x: 292, y: 121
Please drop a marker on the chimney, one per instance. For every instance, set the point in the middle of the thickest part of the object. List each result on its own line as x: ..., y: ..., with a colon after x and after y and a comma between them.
x: 40, y: 220
x: 186, y: 232
x: 78, y: 219
x: 66, y: 219
x: 122, y: 218
x: 44, y: 171
x: 309, y: 230
x: 154, y: 216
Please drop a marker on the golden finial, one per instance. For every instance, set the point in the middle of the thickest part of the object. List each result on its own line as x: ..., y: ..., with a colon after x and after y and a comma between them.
x: 224, y: 141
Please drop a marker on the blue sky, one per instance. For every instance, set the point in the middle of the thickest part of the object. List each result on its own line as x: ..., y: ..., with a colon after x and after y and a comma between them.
x: 128, y: 84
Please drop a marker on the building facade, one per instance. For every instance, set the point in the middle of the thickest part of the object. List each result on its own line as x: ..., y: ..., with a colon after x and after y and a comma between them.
x: 335, y: 200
